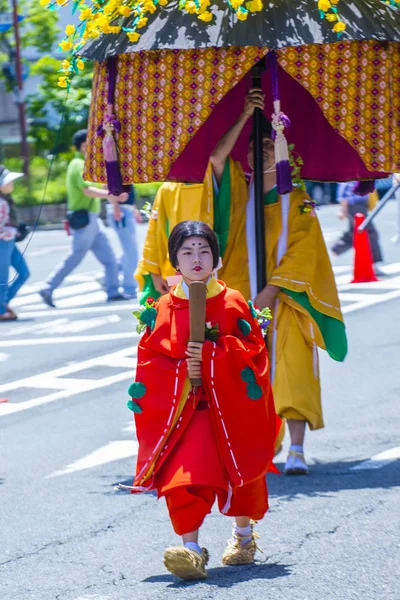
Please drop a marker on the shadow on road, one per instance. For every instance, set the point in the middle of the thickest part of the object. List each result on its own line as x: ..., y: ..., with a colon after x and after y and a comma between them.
x: 326, y: 478
x: 227, y: 577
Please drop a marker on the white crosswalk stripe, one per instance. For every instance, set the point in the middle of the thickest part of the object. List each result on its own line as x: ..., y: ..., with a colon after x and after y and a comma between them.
x: 64, y: 292
x: 112, y: 452
x: 379, y: 460
x: 65, y: 386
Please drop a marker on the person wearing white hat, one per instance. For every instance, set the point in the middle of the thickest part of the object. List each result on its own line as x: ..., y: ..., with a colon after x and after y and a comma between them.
x: 9, y: 253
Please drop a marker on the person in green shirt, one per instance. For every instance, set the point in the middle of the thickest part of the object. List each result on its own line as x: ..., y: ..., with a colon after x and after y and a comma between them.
x: 84, y: 196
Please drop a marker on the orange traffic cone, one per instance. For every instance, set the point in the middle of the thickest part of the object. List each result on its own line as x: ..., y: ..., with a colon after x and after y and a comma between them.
x: 363, y: 269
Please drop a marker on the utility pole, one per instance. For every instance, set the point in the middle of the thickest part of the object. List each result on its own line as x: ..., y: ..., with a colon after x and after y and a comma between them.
x: 19, y: 93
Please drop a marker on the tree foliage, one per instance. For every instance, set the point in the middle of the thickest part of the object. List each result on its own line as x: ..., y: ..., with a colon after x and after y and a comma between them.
x: 68, y: 108
x: 49, y: 105
x: 39, y: 29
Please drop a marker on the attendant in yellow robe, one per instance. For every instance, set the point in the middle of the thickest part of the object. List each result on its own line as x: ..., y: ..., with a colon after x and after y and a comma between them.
x: 301, y: 289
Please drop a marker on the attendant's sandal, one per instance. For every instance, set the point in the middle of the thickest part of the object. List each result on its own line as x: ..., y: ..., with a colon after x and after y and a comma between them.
x: 185, y: 563
x: 237, y: 553
x: 295, y: 464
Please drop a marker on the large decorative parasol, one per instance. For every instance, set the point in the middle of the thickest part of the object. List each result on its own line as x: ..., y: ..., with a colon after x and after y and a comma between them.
x: 175, y: 81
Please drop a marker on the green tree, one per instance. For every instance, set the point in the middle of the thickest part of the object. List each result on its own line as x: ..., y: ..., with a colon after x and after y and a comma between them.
x: 72, y: 106
x: 40, y: 31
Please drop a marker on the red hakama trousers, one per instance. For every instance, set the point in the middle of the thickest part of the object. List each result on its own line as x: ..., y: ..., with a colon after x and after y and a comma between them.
x: 193, y: 477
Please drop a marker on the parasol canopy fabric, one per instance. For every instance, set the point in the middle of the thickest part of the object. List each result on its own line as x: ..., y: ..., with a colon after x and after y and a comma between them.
x: 343, y: 100
x: 281, y: 23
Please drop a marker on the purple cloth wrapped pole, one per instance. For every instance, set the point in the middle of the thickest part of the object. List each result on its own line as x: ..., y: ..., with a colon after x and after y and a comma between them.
x: 108, y: 128
x: 279, y: 122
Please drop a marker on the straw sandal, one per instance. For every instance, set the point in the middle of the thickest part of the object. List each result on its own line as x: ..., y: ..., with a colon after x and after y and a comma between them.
x: 185, y: 563
x: 237, y: 553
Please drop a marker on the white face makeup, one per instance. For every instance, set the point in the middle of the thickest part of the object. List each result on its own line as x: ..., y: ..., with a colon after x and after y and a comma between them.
x: 195, y: 260
x: 268, y: 154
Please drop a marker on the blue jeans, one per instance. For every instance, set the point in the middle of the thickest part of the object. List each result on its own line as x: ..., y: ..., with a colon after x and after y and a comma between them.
x: 92, y: 237
x: 126, y: 231
x: 10, y: 256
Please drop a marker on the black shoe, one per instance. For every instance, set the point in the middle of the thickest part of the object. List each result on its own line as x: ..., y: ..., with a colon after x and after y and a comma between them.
x: 47, y: 298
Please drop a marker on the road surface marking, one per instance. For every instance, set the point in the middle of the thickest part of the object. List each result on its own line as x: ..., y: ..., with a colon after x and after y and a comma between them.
x: 86, y: 385
x: 60, y: 326
x: 130, y: 426
x: 70, y: 340
x: 114, y: 307
x: 379, y: 460
x: 374, y: 299
x: 341, y: 269
x: 76, y: 300
x: 48, y: 250
x: 69, y: 386
x: 4, y: 356
x: 64, y: 292
x: 103, y: 360
x: 40, y: 327
x: 110, y: 453
x: 353, y: 297
x: 382, y: 284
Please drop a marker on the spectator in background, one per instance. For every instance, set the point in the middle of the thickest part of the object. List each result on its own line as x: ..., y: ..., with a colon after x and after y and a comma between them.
x: 382, y: 187
x: 354, y: 200
x: 88, y: 232
x: 9, y: 253
x: 122, y: 217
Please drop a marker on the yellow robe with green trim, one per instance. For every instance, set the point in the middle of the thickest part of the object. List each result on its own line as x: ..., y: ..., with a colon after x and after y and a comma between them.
x: 305, y: 267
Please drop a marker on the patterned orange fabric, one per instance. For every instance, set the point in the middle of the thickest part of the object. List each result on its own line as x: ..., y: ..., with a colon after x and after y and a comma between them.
x: 162, y: 98
x: 357, y: 86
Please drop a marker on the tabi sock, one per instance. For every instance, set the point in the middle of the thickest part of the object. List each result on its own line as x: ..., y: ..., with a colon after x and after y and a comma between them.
x: 245, y: 532
x: 295, y: 448
x: 192, y: 546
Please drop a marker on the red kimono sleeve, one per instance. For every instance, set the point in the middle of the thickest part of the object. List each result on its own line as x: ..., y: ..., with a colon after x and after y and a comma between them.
x: 235, y: 372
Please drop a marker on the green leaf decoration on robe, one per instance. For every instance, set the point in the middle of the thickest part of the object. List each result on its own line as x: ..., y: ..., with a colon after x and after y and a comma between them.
x: 244, y: 326
x: 137, y: 390
x: 248, y: 375
x: 148, y: 317
x: 252, y: 309
x: 134, y: 407
x: 254, y: 391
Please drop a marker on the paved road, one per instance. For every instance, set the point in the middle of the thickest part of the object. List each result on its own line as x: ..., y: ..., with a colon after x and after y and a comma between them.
x: 66, y: 440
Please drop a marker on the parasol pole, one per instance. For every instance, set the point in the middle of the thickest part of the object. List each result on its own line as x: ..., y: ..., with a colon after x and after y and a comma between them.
x: 261, y: 268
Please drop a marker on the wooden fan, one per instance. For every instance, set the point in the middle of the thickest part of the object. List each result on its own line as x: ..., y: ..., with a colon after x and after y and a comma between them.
x: 197, y: 316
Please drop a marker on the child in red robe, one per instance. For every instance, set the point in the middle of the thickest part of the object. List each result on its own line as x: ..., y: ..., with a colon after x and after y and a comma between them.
x: 216, y: 441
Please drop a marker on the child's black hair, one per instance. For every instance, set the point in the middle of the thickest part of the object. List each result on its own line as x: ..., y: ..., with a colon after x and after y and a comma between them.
x: 186, y: 229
